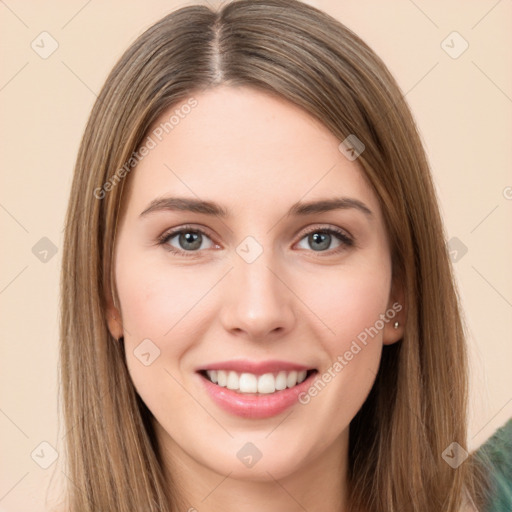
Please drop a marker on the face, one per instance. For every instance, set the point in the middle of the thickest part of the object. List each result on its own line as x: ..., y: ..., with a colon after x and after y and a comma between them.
x: 253, y: 314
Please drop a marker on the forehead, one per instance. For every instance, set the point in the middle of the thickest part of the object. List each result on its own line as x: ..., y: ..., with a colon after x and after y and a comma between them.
x: 240, y: 146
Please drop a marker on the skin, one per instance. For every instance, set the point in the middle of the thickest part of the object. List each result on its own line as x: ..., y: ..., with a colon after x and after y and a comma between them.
x: 256, y: 155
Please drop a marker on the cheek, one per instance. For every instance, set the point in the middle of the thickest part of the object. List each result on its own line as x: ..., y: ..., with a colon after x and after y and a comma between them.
x: 157, y: 298
x: 160, y: 311
x: 160, y: 308
x: 350, y: 303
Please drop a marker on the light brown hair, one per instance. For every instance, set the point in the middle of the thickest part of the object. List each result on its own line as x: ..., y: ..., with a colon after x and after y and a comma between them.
x: 417, y: 406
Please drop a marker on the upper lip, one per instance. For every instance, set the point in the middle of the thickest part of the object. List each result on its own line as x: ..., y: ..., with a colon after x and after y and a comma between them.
x: 255, y: 367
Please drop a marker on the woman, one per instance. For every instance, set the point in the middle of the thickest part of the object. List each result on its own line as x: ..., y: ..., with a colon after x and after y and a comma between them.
x: 258, y: 308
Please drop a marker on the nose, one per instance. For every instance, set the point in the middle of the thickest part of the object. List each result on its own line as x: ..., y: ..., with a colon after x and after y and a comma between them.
x: 257, y: 302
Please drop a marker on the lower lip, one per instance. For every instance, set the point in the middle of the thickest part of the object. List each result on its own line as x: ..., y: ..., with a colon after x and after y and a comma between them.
x: 255, y: 406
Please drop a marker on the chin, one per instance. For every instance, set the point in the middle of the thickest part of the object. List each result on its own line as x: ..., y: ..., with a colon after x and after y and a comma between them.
x: 273, y: 465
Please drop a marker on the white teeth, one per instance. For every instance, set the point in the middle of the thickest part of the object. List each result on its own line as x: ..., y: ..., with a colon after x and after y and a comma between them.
x: 250, y: 383
x: 222, y: 378
x: 291, y: 380
x: 281, y: 381
x: 266, y: 383
x: 232, y: 380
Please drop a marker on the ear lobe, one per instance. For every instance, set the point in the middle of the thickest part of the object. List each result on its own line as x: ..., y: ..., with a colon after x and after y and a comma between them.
x: 114, y: 322
x: 396, y: 315
x: 393, y: 334
x: 112, y: 312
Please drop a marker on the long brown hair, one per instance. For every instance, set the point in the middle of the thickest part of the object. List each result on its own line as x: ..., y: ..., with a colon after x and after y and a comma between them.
x: 417, y: 406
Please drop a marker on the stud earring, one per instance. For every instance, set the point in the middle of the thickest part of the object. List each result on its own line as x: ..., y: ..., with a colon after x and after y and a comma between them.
x: 395, y: 325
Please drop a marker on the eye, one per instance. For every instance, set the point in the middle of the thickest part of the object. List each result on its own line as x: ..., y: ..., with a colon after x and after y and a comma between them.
x: 320, y: 239
x: 185, y: 241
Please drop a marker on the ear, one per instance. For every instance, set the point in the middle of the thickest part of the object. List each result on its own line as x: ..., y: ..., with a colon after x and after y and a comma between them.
x: 114, y: 320
x: 395, y: 312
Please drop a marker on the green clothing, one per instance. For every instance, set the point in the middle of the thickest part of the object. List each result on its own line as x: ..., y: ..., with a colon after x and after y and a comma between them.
x: 498, y: 451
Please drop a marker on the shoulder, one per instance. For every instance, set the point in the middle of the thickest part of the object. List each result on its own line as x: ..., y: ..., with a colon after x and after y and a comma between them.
x: 496, y: 455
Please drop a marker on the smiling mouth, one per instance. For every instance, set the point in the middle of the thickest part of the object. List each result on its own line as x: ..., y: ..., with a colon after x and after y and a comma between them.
x: 251, y: 384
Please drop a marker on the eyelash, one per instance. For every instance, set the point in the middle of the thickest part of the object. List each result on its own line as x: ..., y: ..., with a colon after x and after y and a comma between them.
x: 346, y: 240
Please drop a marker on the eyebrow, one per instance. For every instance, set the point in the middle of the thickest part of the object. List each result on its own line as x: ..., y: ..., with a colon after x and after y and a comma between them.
x: 212, y: 208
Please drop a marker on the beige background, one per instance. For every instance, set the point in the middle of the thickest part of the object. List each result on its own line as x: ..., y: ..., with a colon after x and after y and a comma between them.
x: 463, y: 107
